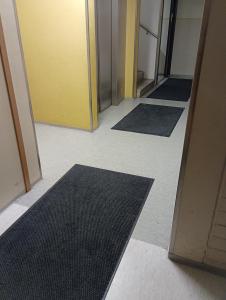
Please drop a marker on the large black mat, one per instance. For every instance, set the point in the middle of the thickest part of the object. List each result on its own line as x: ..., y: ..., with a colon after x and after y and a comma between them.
x: 173, y: 89
x: 69, y: 244
x: 151, y: 119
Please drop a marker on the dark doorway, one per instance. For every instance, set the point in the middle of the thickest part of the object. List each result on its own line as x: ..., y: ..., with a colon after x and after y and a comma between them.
x: 169, y: 16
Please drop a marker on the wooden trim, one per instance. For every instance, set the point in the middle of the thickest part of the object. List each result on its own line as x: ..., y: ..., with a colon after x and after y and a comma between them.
x: 14, y: 109
x: 197, y: 265
x: 27, y: 85
x: 189, y: 128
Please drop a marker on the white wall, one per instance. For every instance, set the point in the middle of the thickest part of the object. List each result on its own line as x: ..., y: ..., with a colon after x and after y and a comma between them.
x: 149, y: 17
x: 149, y: 14
x: 20, y: 87
x: 187, y: 33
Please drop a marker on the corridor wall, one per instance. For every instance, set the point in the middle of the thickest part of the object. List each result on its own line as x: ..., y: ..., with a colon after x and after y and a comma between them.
x: 60, y: 60
x: 11, y: 175
x: 15, y: 57
x: 187, y: 34
x: 149, y: 17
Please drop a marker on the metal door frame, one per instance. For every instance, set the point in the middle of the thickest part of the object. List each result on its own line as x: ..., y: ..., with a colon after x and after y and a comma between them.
x: 118, y: 34
x: 118, y: 45
x: 171, y: 36
x: 98, y: 54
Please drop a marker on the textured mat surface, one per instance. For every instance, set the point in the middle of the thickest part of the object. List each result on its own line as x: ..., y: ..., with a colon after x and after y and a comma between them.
x: 69, y: 244
x: 151, y: 119
x: 173, y: 89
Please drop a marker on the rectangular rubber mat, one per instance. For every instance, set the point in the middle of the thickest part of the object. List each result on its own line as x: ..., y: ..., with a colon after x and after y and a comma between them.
x: 151, y: 119
x: 173, y: 89
x: 68, y: 245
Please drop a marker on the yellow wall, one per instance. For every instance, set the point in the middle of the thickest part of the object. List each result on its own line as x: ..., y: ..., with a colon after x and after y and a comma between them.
x: 55, y: 43
x: 133, y: 11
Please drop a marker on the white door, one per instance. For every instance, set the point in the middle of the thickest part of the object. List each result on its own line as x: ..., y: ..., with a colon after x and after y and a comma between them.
x: 11, y: 176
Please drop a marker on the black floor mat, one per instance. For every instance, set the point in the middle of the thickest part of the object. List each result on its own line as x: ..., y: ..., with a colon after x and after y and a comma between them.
x: 151, y: 119
x: 69, y: 244
x: 173, y: 89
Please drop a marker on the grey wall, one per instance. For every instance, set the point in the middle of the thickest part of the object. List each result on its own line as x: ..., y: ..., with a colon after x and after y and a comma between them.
x: 149, y: 17
x: 187, y: 33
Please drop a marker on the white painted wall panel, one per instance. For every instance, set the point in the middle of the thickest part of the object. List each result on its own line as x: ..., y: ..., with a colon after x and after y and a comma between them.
x: 20, y: 87
x: 185, y: 46
x: 149, y: 14
x: 187, y: 33
x: 190, y: 9
x: 147, y: 54
x: 149, y: 17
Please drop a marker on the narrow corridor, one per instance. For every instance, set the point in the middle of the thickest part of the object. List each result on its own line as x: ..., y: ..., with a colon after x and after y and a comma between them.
x: 139, y: 154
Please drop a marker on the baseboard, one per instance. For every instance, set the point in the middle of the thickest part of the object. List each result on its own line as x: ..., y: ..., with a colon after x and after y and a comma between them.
x: 197, y: 265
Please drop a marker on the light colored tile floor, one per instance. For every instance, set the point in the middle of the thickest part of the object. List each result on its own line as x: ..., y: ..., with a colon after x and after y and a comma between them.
x: 10, y: 215
x: 139, y: 154
x: 145, y: 273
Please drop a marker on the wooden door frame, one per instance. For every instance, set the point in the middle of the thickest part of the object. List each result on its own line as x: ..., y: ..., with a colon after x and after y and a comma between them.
x: 14, y: 109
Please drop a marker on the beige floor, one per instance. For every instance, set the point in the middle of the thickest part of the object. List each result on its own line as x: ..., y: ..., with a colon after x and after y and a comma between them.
x: 145, y: 272
x: 139, y: 154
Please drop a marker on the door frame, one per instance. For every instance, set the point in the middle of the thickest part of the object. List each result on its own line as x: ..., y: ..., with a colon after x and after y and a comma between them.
x: 98, y: 5
x: 171, y: 36
x: 170, y: 40
x: 14, y: 109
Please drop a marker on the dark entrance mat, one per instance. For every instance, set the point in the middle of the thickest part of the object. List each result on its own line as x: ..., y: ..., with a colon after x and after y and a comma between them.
x: 151, y: 119
x: 173, y: 89
x: 69, y: 244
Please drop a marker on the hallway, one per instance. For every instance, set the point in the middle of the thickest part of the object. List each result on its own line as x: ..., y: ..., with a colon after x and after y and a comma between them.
x: 138, y: 154
x: 93, y: 123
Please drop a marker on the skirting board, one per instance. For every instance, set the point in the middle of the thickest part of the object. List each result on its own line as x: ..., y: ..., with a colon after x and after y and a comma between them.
x: 194, y: 264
